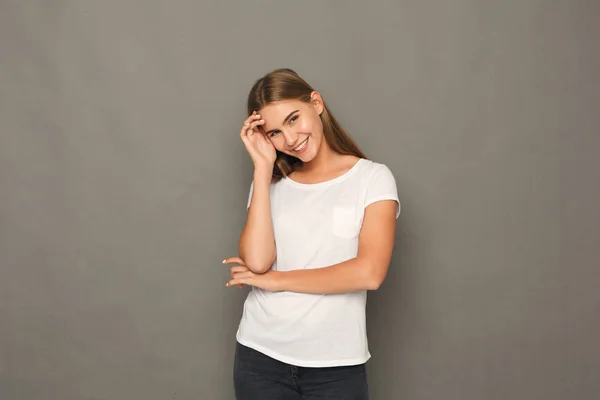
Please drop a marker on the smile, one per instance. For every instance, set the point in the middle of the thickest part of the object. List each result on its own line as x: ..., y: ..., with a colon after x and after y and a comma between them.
x: 301, y: 146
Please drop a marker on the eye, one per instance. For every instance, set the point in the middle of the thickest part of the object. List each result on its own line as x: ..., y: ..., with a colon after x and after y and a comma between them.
x: 273, y: 133
x: 293, y: 119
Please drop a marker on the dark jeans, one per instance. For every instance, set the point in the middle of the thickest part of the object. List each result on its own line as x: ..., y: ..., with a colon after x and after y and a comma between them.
x: 257, y: 376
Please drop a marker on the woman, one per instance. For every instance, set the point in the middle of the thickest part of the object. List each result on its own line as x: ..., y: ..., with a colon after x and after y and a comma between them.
x: 319, y: 234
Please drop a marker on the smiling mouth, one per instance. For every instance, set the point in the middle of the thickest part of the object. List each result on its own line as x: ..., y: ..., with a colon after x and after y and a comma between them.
x: 301, y: 146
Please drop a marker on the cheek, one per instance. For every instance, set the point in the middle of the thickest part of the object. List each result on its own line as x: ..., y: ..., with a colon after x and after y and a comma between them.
x: 311, y: 125
x: 278, y: 143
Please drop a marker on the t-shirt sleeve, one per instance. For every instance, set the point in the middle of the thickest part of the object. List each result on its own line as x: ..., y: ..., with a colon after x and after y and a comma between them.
x: 250, y: 195
x: 382, y: 186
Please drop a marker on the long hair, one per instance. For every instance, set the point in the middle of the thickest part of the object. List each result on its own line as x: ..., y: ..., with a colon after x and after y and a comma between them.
x: 286, y: 84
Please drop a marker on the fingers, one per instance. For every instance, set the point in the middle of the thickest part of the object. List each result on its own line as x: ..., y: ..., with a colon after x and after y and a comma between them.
x: 250, y: 125
x: 238, y: 269
x: 242, y: 274
x: 239, y: 278
x: 237, y: 281
x: 235, y: 259
x: 253, y: 127
x: 252, y: 117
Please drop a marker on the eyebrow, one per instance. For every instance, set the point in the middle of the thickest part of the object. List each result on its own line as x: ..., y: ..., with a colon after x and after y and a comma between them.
x: 284, y: 121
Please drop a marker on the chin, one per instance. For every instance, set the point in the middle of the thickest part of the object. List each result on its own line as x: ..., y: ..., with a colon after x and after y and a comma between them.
x: 303, y: 158
x: 306, y: 157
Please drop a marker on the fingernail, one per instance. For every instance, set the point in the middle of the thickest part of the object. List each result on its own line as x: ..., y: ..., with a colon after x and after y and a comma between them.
x: 262, y: 120
x: 224, y: 261
x: 227, y: 284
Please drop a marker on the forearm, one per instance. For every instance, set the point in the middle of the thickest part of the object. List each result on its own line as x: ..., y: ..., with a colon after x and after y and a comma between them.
x: 257, y: 244
x: 349, y: 276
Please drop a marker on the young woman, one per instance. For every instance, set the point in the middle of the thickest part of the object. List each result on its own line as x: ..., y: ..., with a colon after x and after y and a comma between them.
x: 319, y: 234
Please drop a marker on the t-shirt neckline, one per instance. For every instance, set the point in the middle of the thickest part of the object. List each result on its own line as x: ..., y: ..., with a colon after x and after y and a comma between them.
x: 325, y: 183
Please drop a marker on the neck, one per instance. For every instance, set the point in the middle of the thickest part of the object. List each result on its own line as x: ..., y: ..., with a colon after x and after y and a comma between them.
x: 324, y: 161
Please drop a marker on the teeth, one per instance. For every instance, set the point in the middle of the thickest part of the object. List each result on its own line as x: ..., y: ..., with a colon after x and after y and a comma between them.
x: 301, y: 146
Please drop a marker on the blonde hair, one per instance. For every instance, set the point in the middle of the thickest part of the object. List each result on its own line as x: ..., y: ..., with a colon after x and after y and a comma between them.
x: 286, y: 84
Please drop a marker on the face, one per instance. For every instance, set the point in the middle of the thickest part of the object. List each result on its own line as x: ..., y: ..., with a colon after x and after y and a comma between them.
x: 294, y: 127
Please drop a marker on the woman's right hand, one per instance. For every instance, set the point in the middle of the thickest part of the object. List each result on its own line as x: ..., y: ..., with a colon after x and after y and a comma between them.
x: 257, y: 144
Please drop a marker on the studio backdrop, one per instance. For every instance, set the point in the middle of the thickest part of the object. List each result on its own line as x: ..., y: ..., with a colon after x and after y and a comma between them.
x: 123, y: 184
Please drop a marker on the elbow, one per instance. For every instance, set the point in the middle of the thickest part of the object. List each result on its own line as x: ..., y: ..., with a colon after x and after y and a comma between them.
x: 258, y: 268
x: 257, y: 265
x: 255, y: 262
x: 374, y: 284
x: 376, y: 277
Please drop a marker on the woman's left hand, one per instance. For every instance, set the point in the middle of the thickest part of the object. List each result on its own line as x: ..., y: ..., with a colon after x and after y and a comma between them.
x: 241, y: 275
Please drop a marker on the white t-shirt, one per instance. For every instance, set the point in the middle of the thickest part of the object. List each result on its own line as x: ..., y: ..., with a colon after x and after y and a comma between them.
x: 316, y: 225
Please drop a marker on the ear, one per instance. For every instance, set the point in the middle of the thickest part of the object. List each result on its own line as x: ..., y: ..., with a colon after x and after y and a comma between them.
x: 317, y: 101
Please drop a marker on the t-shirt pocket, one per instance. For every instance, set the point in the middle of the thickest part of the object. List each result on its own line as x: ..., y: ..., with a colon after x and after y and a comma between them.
x: 344, y: 222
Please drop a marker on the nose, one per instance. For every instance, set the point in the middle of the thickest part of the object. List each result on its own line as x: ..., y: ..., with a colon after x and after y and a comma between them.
x: 290, y: 137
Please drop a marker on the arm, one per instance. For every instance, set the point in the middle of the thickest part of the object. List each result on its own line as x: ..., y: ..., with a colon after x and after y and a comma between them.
x: 257, y: 244
x: 366, y: 271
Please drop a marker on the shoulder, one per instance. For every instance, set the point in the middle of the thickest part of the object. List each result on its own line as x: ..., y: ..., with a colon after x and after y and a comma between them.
x: 380, y: 184
x: 373, y: 170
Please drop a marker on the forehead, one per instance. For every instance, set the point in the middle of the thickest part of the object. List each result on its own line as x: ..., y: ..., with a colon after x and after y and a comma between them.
x: 278, y: 110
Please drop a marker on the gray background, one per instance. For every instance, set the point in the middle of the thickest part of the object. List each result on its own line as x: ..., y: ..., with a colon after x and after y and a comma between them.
x: 123, y: 184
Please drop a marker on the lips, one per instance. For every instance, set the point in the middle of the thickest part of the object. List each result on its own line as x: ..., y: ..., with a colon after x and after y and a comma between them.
x: 302, y: 147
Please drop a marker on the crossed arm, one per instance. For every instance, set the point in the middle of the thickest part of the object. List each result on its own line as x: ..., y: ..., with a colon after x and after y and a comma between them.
x: 366, y: 271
